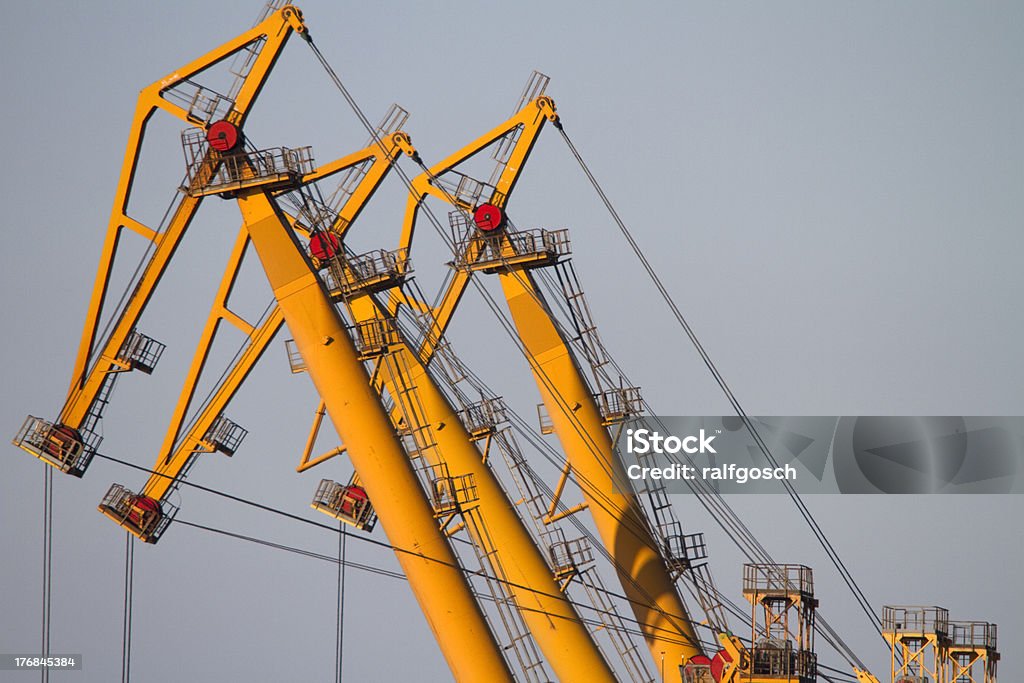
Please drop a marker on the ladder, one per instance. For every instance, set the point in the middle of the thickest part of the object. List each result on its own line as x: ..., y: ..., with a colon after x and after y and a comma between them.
x: 418, y: 438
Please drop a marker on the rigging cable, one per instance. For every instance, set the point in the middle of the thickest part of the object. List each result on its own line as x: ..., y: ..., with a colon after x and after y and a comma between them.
x: 816, y: 529
x: 506, y: 324
x: 370, y: 568
x: 364, y: 539
x: 339, y: 650
x: 129, y: 589
x: 47, y: 572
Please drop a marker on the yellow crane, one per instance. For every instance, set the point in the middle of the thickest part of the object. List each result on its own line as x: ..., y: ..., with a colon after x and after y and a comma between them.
x: 421, y: 455
x: 220, y: 163
x: 489, y: 244
x: 69, y: 442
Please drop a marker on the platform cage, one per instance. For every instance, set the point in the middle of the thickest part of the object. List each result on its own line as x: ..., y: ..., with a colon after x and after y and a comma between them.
x: 914, y: 620
x: 772, y: 658
x: 682, y: 551
x: 466, y: 191
x: 502, y: 152
x: 910, y: 678
x: 483, y: 417
x: 140, y: 352
x: 570, y: 557
x: 56, y: 445
x: 225, y: 436
x: 204, y: 105
x: 349, y: 275
x: 347, y: 503
x: 619, y: 404
x: 778, y: 580
x: 295, y: 360
x: 450, y: 494
x: 373, y: 338
x: 145, y: 517
x: 208, y: 172
x: 511, y: 250
x: 544, y: 420
x: 348, y: 180
x: 696, y: 673
x: 973, y: 635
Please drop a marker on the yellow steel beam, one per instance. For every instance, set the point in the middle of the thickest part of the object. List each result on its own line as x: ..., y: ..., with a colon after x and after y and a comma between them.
x: 365, y: 429
x: 87, y: 378
x: 617, y: 514
x: 176, y: 452
x: 531, y: 118
x: 307, y: 460
x: 549, y: 615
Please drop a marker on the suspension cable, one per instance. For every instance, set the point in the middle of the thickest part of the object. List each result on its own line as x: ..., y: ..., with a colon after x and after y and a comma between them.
x: 382, y: 544
x: 47, y: 570
x: 816, y: 529
x: 126, y: 616
x: 339, y: 650
x: 819, y: 534
x: 368, y: 568
x: 506, y: 324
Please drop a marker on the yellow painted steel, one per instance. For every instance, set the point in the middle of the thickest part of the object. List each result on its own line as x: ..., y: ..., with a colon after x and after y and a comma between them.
x: 177, y: 451
x: 88, y: 377
x: 617, y: 514
x: 365, y: 428
x: 864, y: 676
x: 550, y: 617
x: 530, y: 121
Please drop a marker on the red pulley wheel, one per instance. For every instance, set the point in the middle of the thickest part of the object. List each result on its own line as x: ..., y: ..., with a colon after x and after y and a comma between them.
x: 223, y: 136
x: 488, y: 217
x: 147, y: 504
x: 324, y: 245
x: 718, y: 664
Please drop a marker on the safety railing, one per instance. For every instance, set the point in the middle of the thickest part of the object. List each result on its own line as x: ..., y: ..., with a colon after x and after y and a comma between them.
x: 781, y: 579
x: 57, y: 445
x: 925, y: 620
x: 140, y: 352
x: 143, y: 516
x: 506, y: 250
x: 348, y: 503
x: 484, y: 416
x: 373, y: 271
x: 225, y: 436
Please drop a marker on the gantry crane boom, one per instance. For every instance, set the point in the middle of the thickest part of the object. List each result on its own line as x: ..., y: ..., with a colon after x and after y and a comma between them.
x: 399, y: 425
x: 646, y: 579
x: 209, y: 430
x: 525, y: 126
x: 219, y: 163
x: 70, y: 441
x: 498, y: 530
x: 365, y: 429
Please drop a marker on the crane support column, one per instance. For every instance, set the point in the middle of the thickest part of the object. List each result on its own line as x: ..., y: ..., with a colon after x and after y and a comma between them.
x: 557, y: 628
x: 365, y: 428
x: 618, y: 517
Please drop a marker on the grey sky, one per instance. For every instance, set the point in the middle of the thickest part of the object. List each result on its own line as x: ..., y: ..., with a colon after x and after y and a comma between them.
x: 831, y: 191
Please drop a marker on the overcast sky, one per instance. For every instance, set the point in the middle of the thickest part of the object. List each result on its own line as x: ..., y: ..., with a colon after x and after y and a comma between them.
x: 832, y: 192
